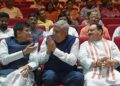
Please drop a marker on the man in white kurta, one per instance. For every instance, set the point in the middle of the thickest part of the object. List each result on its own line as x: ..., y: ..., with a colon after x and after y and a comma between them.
x: 4, y: 30
x: 15, y: 53
x: 59, y: 64
x: 91, y: 55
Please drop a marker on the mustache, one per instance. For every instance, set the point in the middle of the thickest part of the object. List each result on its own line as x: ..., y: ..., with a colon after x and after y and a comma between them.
x: 89, y: 34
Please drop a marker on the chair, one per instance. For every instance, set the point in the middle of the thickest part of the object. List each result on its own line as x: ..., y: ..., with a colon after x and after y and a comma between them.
x: 80, y: 20
x: 107, y: 21
x: 15, y: 20
x: 26, y: 11
x: 111, y: 28
x: 79, y: 28
x: 117, y: 41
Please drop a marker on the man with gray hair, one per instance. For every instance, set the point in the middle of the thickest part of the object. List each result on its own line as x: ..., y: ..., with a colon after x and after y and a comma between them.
x: 58, y: 53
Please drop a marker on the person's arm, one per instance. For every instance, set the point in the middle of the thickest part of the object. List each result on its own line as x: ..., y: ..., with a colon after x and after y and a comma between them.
x: 84, y: 56
x: 5, y: 57
x: 33, y: 61
x: 19, y: 13
x: 69, y: 58
x: 115, y: 53
x: 32, y: 64
x: 116, y: 33
x: 42, y: 55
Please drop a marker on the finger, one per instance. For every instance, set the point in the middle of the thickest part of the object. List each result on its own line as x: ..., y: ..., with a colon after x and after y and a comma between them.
x: 30, y: 45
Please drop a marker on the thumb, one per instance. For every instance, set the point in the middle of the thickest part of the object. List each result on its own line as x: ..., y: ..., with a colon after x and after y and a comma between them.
x: 30, y: 45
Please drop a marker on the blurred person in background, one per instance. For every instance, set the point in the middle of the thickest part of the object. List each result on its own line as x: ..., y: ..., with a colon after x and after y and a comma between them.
x: 2, y: 4
x: 90, y: 6
x: 73, y: 10
x: 51, y: 13
x: 70, y: 21
x: 37, y: 4
x: 109, y: 11
x: 94, y: 19
x: 71, y: 31
x: 13, y: 11
x: 42, y: 20
x: 57, y: 5
x: 91, y: 18
x: 35, y: 32
x: 4, y: 30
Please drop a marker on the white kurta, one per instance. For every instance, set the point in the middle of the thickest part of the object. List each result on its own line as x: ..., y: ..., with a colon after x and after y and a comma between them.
x: 69, y: 58
x: 86, y: 60
x: 15, y: 78
x: 7, y: 33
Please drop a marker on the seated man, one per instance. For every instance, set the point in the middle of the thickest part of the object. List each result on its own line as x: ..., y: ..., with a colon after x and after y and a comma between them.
x: 42, y: 20
x: 91, y: 17
x: 59, y: 53
x: 35, y: 32
x: 13, y: 11
x: 4, y: 30
x: 94, y: 19
x: 16, y: 52
x: 99, y: 57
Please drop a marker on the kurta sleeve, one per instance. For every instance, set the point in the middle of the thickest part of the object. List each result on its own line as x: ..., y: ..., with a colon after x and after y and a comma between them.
x: 33, y: 61
x: 69, y: 58
x: 5, y: 57
x: 84, y: 56
x: 115, y: 53
x: 42, y: 55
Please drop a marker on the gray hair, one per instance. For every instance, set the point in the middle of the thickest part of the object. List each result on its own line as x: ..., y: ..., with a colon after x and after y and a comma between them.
x: 62, y: 24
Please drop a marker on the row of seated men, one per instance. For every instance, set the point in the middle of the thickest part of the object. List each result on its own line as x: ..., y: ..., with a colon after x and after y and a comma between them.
x: 92, y: 18
x: 52, y: 12
x: 59, y: 52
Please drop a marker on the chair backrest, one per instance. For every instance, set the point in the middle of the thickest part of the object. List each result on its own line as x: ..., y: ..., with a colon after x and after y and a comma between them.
x: 117, y: 41
x: 82, y: 39
x: 80, y: 20
x: 107, y: 21
x: 26, y: 11
x: 13, y: 21
x: 79, y: 28
x: 111, y: 28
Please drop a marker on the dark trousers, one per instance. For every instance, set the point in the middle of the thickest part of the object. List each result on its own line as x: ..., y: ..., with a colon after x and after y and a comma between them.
x: 118, y: 68
x: 38, y: 77
x: 53, y: 78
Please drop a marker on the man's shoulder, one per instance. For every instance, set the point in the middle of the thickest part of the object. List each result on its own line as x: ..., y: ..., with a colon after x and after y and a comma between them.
x: 50, y: 21
x: 9, y: 30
